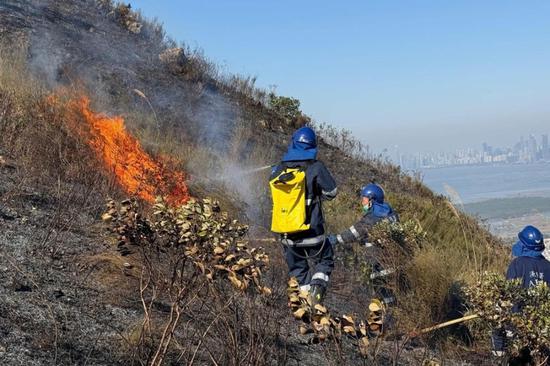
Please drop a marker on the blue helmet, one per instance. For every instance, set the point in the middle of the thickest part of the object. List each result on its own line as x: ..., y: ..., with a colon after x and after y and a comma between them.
x: 532, y: 238
x: 306, y: 136
x: 373, y: 192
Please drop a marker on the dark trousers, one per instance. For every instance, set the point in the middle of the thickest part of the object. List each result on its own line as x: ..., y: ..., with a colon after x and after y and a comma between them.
x: 310, y: 265
x: 379, y: 287
x: 498, y: 340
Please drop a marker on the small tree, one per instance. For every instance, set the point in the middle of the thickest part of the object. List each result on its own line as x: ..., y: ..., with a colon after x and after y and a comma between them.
x: 286, y: 107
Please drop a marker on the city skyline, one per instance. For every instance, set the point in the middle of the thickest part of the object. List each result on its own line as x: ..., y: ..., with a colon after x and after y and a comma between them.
x: 527, y: 149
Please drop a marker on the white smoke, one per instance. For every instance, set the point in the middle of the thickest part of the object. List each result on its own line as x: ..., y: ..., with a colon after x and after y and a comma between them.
x: 77, y: 43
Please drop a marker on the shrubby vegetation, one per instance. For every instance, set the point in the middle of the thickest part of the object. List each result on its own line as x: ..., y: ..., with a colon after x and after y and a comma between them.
x: 189, y: 256
x: 493, y: 298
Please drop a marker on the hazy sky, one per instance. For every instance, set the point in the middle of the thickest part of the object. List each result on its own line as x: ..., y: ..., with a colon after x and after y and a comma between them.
x: 423, y: 75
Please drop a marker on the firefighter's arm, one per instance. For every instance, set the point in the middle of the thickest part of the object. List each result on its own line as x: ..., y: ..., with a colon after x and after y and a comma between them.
x: 356, y: 232
x: 326, y: 183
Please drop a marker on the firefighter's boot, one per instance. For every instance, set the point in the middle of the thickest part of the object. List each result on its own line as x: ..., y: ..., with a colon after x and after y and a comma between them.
x: 316, y: 295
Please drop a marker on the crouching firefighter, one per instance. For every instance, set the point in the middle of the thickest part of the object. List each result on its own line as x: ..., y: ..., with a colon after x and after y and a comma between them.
x: 298, y: 185
x: 374, y: 211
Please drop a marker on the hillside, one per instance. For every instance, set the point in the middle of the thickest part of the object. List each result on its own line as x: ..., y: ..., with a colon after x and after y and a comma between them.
x: 73, y: 294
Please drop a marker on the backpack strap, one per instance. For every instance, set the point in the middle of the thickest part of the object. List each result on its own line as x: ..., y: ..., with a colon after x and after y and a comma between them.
x: 303, y: 164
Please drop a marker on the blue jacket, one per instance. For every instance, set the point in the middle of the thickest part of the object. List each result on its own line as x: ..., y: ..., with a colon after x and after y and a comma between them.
x: 320, y: 185
x: 360, y: 230
x: 530, y: 267
x: 530, y: 270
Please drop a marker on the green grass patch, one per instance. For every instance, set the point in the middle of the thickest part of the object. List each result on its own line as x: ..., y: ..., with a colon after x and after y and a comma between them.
x: 502, y: 208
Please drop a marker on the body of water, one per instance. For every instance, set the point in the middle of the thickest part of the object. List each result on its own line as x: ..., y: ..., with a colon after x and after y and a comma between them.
x: 480, y: 183
x: 493, y: 187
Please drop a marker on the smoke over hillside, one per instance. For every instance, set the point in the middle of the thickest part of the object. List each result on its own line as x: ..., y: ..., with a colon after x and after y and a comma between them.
x: 84, y: 42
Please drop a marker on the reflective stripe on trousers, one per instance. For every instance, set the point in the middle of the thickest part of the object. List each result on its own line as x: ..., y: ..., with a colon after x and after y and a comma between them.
x: 320, y: 276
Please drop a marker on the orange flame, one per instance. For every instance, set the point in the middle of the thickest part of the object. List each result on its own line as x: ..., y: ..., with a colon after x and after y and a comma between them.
x: 137, y: 172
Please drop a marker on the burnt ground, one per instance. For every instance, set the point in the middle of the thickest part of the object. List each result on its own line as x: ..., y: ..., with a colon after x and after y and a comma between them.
x: 65, y: 296
x: 52, y: 309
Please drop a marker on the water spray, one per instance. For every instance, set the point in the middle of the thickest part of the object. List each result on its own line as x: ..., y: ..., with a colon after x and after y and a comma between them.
x: 222, y: 177
x: 255, y: 170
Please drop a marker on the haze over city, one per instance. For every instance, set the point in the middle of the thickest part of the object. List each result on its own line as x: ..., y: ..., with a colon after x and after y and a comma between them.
x: 451, y: 74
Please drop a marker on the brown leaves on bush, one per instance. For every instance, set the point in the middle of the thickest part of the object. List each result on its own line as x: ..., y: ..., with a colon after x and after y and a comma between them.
x: 317, y: 320
x: 205, y: 235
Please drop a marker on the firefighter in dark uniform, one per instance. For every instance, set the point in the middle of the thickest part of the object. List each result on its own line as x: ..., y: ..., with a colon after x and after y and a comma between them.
x: 308, y: 253
x: 374, y: 211
x: 530, y: 266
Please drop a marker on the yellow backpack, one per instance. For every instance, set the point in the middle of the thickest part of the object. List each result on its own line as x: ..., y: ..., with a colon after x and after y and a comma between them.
x: 288, y: 193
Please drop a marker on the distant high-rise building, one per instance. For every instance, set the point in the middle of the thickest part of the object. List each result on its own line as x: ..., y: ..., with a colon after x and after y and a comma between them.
x: 521, y: 142
x: 532, y: 148
x: 545, y: 147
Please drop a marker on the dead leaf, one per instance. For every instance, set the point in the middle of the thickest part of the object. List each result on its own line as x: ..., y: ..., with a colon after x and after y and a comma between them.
x: 376, y: 305
x: 350, y: 329
x: 347, y: 320
x: 238, y: 284
x: 318, y: 327
x: 320, y: 308
x: 364, y: 346
x: 293, y: 283
x: 298, y: 314
x: 106, y: 217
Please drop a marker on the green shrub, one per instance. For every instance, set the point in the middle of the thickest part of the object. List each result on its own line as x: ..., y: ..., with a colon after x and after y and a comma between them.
x: 493, y: 298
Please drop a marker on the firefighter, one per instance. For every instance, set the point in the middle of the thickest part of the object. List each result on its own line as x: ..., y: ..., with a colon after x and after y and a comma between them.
x: 309, y: 255
x: 374, y: 211
x: 528, y: 265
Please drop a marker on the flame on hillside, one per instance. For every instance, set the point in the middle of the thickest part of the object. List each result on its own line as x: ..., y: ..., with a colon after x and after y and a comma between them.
x: 135, y: 170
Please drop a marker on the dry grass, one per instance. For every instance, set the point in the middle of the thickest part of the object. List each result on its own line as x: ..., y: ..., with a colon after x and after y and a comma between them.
x: 454, y: 252
x: 41, y: 138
